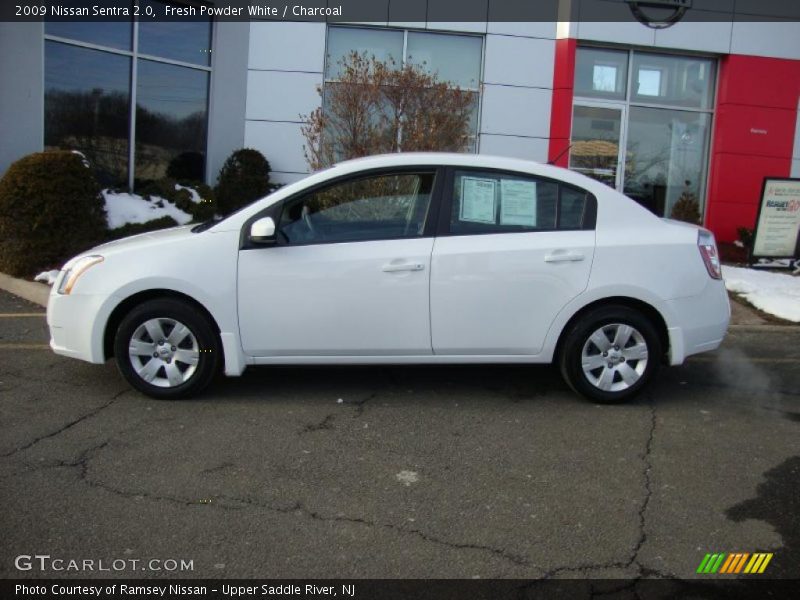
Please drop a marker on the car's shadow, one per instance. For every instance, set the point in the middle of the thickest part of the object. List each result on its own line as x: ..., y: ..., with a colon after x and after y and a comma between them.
x: 515, y: 383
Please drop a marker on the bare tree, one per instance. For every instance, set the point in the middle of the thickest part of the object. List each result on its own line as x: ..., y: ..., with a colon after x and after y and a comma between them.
x: 379, y: 107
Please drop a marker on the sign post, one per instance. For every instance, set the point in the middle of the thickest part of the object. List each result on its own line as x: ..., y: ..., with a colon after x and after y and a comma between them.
x: 777, y: 233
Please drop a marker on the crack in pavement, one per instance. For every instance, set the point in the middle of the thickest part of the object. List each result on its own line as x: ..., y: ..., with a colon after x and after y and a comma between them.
x: 325, y: 424
x: 359, y: 404
x: 299, y: 507
x: 648, y: 489
x: 67, y: 426
x: 633, y: 559
x: 230, y: 503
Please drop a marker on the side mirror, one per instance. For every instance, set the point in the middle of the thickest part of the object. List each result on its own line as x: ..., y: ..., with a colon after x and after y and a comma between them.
x: 263, y: 231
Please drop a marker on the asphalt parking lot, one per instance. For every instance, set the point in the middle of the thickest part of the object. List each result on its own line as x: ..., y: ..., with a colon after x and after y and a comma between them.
x: 400, y: 472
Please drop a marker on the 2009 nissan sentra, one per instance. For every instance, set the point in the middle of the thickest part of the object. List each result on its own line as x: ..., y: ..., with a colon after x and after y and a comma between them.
x: 407, y: 258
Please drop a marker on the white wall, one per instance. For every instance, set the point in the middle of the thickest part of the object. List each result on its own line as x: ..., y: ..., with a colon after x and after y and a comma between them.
x: 285, y: 66
x: 518, y: 90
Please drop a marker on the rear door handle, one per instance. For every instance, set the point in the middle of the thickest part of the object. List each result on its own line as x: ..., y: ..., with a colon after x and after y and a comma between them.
x: 395, y: 267
x: 562, y: 256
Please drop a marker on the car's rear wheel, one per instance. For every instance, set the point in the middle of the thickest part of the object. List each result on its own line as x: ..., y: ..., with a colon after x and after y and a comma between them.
x: 610, y: 354
x: 166, y: 348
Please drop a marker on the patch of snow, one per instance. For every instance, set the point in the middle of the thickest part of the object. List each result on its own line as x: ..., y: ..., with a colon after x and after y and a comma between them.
x: 48, y: 277
x: 773, y: 262
x: 775, y: 293
x: 195, y: 196
x: 123, y: 208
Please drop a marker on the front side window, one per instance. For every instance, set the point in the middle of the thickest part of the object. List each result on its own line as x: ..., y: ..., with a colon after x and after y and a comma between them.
x: 387, y: 206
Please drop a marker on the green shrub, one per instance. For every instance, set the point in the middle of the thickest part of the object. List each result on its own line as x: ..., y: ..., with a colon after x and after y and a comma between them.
x: 134, y: 228
x: 745, y: 236
x: 187, y: 166
x: 244, y: 178
x: 687, y: 209
x: 50, y: 210
x: 182, y: 198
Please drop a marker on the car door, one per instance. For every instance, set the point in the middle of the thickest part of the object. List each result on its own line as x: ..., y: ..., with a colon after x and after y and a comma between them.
x: 513, y: 250
x: 349, y: 273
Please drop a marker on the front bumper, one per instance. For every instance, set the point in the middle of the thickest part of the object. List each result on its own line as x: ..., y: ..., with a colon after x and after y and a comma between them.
x: 75, y: 323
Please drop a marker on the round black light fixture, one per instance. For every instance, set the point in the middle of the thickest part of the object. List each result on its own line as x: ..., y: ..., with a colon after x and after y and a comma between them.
x: 659, y: 14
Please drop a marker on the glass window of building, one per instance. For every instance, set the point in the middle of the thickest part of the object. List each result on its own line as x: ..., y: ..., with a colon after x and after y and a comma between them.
x: 87, y: 107
x: 642, y: 124
x: 455, y: 58
x: 133, y: 97
x: 601, y: 73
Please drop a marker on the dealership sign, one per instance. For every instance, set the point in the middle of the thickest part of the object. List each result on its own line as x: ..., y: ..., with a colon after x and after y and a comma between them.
x: 659, y: 14
x: 777, y: 233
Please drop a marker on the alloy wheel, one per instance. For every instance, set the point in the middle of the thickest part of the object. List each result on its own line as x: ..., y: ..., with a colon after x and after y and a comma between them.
x: 614, y: 357
x: 164, y: 352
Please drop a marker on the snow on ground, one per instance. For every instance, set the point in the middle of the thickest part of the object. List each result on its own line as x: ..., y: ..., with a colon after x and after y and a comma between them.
x: 775, y: 293
x: 48, y: 277
x: 195, y: 196
x: 122, y: 208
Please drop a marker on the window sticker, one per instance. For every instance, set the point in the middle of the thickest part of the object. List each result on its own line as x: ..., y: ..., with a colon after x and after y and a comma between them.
x: 518, y: 202
x: 478, y: 200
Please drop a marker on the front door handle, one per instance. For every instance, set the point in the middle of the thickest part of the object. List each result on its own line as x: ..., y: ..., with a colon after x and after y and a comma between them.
x: 563, y: 256
x: 395, y: 267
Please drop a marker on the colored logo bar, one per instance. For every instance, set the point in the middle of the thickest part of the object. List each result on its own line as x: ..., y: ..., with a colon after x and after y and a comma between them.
x: 734, y: 563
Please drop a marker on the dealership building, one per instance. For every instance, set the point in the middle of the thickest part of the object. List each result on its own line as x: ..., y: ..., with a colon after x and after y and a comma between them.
x: 703, y: 109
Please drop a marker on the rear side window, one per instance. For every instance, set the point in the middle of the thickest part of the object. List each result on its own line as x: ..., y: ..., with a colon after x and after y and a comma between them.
x: 491, y: 202
x: 576, y: 209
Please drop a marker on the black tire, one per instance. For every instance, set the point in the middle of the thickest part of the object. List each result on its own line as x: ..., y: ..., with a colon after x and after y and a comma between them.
x: 203, y: 344
x: 577, y: 337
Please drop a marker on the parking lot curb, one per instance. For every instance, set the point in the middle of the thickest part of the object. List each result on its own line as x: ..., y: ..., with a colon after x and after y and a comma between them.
x: 29, y: 290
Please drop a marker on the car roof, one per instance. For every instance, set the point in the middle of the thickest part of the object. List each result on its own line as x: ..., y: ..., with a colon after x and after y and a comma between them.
x: 453, y: 159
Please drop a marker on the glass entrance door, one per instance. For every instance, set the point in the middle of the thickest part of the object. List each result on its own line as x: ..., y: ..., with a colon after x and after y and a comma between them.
x: 597, y: 142
x: 666, y: 158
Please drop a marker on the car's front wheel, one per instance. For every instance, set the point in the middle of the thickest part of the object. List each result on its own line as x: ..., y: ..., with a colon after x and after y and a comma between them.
x: 610, y: 354
x: 167, y: 348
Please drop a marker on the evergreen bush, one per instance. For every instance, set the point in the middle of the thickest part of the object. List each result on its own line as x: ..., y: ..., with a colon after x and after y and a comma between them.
x: 50, y: 210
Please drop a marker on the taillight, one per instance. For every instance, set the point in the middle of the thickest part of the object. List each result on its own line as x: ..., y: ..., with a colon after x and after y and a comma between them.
x: 708, y: 250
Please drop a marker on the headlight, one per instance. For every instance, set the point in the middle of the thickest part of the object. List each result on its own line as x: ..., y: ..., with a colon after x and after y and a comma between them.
x: 75, y: 271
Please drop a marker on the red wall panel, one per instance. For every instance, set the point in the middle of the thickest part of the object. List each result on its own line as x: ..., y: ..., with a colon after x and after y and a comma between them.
x: 755, y: 130
x: 739, y: 184
x: 728, y: 217
x: 759, y: 81
x: 561, y: 109
x: 753, y: 137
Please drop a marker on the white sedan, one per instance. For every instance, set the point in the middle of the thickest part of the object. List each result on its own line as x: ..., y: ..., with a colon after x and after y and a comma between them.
x: 401, y: 259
